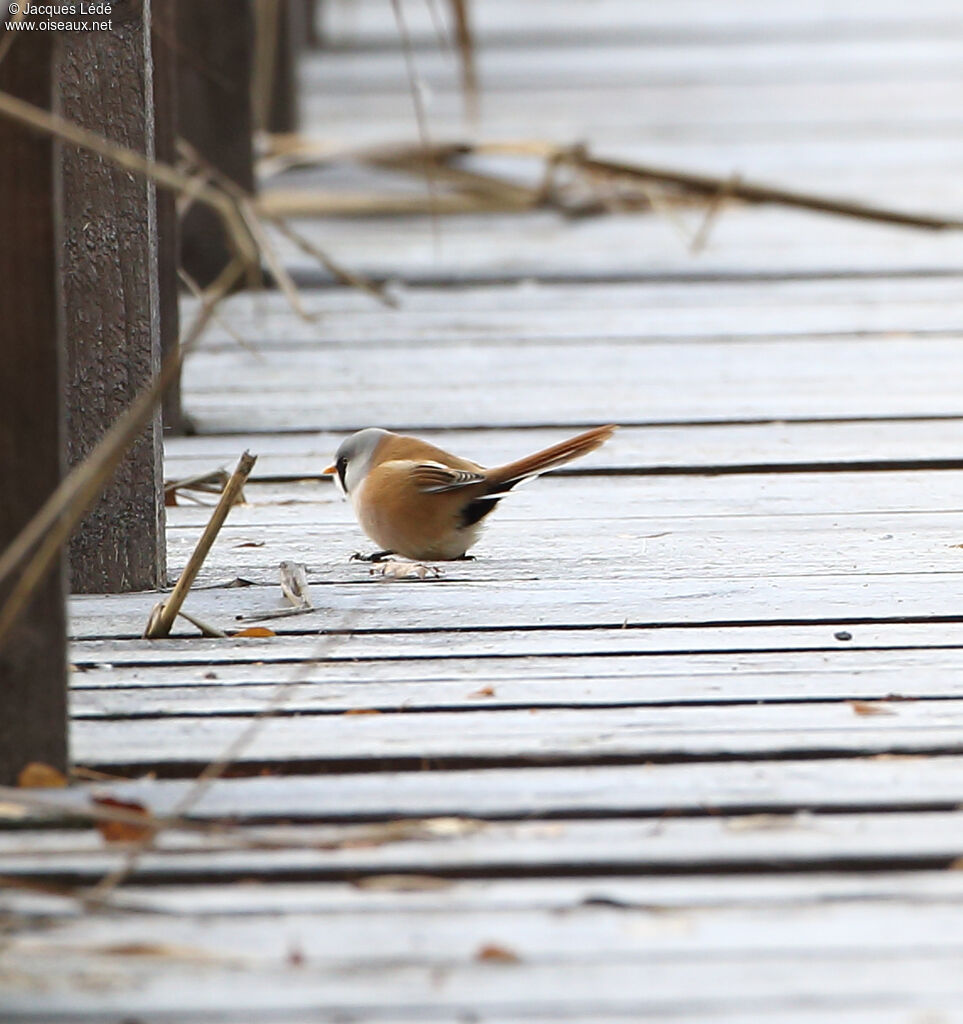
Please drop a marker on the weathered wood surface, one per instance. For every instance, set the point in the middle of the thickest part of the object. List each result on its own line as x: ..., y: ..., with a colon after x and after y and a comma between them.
x: 430, y: 605
x: 594, y: 990
x: 558, y: 735
x: 112, y: 327
x: 682, y: 660
x: 588, y: 791
x: 733, y: 310
x: 504, y: 23
x: 483, y: 385
x: 745, y: 242
x: 466, y: 847
x: 681, y: 449
x: 214, y: 44
x: 467, y: 649
x: 33, y: 685
x: 164, y: 53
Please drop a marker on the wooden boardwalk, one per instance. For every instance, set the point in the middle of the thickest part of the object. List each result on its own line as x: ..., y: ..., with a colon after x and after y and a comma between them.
x: 685, y: 743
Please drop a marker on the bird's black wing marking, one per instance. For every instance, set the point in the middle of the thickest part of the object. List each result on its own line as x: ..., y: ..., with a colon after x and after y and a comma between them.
x: 434, y: 478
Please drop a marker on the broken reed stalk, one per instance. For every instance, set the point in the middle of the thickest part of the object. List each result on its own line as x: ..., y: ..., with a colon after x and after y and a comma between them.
x: 163, y: 616
x: 34, y: 549
x: 466, y: 52
x: 711, y: 185
x: 252, y: 212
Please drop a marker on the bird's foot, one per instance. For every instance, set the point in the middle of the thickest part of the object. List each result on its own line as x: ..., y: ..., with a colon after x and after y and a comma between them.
x: 464, y: 558
x: 375, y: 556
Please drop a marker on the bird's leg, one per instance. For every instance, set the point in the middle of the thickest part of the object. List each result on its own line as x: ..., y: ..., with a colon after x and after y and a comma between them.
x: 375, y: 556
x: 465, y: 558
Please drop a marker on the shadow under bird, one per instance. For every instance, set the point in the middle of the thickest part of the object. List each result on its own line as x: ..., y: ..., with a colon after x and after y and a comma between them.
x: 419, y: 501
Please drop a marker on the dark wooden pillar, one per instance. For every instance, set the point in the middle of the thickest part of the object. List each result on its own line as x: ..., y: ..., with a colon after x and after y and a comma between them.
x: 164, y: 51
x: 281, y: 36
x: 215, y: 51
x: 110, y: 284
x: 33, y: 707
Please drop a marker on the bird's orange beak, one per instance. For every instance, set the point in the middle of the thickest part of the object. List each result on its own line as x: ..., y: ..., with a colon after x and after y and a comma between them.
x: 330, y: 471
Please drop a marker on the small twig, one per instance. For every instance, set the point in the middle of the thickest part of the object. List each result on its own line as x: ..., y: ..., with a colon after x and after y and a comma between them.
x: 713, y: 210
x: 163, y: 616
x: 466, y: 52
x: 280, y: 613
x: 345, y: 276
x: 195, y: 289
x: 213, y: 482
x: 206, y: 630
x: 712, y: 185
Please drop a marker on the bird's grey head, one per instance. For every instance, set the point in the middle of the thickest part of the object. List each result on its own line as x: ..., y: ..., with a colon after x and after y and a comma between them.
x: 354, y: 457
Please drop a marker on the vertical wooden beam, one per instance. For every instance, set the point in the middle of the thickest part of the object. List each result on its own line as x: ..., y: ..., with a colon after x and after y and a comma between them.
x: 215, y: 41
x: 164, y: 51
x: 110, y: 282
x: 33, y: 673
x: 281, y: 36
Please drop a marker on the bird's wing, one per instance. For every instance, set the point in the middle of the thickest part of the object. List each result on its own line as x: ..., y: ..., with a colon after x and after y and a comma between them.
x: 436, y: 478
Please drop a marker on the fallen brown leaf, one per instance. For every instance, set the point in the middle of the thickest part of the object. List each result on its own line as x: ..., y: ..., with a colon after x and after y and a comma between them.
x: 38, y: 775
x: 865, y: 707
x: 123, y: 831
x: 362, y: 711
x: 495, y: 954
x: 249, y: 631
x: 485, y: 691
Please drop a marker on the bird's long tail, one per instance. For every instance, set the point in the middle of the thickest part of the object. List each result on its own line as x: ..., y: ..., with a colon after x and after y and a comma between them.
x: 503, y: 478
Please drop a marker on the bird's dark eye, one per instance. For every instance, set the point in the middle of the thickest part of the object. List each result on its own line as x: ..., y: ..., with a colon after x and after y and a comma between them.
x: 342, y: 466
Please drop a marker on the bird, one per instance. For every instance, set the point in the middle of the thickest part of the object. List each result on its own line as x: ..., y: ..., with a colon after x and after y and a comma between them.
x: 416, y: 500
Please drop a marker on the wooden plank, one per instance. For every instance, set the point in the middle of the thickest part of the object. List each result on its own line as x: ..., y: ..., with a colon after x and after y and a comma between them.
x: 641, y: 934
x: 520, y: 683
x: 33, y: 713
x: 625, y: 499
x: 914, y: 983
x: 215, y: 41
x: 783, y: 109
x: 531, y: 385
x: 843, y: 61
x: 506, y: 604
x: 649, y: 790
x: 746, y: 243
x: 488, y: 647
x: 556, y: 736
x: 546, y: 678
x: 558, y: 895
x: 461, y: 847
x: 110, y: 281
x: 752, y: 447
x: 703, y: 547
x: 497, y: 22
x: 514, y: 313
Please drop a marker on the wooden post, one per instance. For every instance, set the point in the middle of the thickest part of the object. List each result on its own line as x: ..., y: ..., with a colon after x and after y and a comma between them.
x: 215, y: 58
x: 281, y: 36
x: 164, y: 47
x: 110, y: 284
x: 33, y: 674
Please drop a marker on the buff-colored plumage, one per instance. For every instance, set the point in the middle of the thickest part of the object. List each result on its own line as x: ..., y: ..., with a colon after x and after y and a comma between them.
x: 419, y: 501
